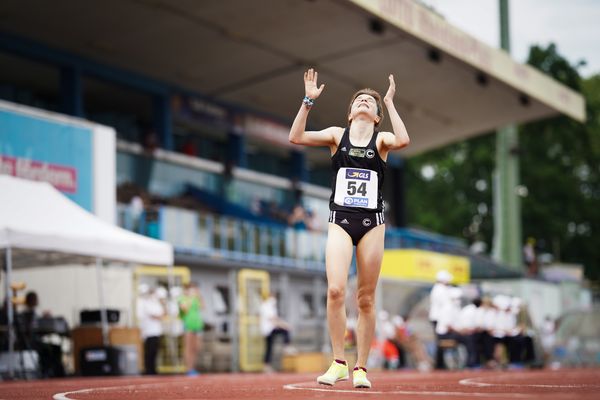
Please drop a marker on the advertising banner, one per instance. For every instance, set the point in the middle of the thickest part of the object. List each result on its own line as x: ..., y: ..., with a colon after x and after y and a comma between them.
x: 50, y: 151
x: 422, y: 266
x: 198, y: 110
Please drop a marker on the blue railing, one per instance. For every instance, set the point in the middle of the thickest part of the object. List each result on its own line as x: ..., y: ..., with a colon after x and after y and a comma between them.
x: 223, y: 237
x: 407, y: 238
x: 228, y: 238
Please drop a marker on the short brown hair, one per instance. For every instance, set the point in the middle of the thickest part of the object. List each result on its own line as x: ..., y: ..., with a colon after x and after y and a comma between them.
x: 375, y: 95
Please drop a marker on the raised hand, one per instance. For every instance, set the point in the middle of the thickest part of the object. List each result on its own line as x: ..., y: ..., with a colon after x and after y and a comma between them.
x: 389, y: 96
x: 310, y: 84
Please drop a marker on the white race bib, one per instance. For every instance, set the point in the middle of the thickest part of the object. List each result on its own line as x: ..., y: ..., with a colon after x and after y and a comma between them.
x: 356, y: 187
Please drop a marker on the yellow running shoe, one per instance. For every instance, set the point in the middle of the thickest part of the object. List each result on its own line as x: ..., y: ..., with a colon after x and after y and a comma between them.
x: 359, y: 378
x: 336, y: 372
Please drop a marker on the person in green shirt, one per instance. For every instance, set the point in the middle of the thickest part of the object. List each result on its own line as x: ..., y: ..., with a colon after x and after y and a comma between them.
x: 190, y: 312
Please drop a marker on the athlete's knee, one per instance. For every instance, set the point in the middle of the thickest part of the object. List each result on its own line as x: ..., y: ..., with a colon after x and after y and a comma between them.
x: 366, y: 302
x: 336, y: 294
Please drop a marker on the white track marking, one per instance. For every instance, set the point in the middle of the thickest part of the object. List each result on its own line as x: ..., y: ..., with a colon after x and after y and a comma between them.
x: 65, y: 395
x: 477, y: 382
x: 297, y: 386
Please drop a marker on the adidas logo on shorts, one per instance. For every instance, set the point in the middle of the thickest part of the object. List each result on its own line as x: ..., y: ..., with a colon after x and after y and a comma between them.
x: 344, y: 221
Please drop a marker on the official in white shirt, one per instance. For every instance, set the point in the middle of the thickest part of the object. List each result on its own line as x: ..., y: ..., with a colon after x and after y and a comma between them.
x: 150, y: 313
x: 469, y: 321
x: 519, y: 344
x: 452, y: 324
x: 504, y: 323
x: 438, y: 298
x: 439, y: 295
x: 487, y: 316
x: 270, y: 327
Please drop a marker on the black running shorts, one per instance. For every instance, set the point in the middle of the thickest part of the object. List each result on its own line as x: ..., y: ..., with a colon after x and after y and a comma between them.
x: 356, y: 224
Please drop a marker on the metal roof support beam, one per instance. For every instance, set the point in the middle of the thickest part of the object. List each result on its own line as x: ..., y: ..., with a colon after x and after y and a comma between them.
x: 71, y: 91
x: 507, y: 207
x: 37, y: 51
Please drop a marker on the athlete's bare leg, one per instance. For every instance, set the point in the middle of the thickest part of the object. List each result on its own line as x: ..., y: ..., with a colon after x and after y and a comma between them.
x: 198, y: 349
x: 369, y: 254
x: 338, y: 257
x: 191, y: 350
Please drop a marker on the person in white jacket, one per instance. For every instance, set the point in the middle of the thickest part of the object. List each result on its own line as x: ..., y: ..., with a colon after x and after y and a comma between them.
x: 451, y: 325
x: 271, y: 326
x: 438, y: 298
x: 469, y: 321
x: 150, y: 313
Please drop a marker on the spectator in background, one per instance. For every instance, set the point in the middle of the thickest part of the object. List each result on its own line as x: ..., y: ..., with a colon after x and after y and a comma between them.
x: 189, y: 147
x: 272, y: 326
x: 255, y: 206
x: 175, y: 325
x: 227, y: 188
x: 190, y: 311
x: 548, y: 331
x: 524, y: 352
x: 530, y: 257
x: 4, y: 322
x: 350, y: 334
x: 503, y: 324
x: 410, y: 343
x: 150, y: 141
x: 438, y: 299
x: 28, y: 319
x: 150, y: 313
x: 391, y: 351
x: 487, y: 316
x: 469, y: 329
x: 449, y: 324
x: 312, y: 222
x: 49, y: 355
x: 298, y: 221
x: 136, y: 211
x: 297, y: 218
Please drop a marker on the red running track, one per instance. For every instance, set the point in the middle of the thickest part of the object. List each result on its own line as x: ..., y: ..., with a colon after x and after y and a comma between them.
x: 563, y: 384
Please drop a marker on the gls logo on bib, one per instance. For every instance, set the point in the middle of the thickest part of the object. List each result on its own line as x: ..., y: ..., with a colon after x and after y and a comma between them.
x: 358, y: 174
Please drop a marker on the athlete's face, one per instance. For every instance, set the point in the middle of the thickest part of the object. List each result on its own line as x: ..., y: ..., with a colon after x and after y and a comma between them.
x: 366, y: 105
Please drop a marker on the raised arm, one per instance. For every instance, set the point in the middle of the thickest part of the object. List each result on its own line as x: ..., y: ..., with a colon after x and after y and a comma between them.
x: 298, y: 135
x: 399, y: 138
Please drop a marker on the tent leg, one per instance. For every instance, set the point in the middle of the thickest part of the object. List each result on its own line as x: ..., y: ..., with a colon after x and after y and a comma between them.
x: 9, y: 313
x: 233, y: 320
x: 103, y: 316
x: 171, y: 338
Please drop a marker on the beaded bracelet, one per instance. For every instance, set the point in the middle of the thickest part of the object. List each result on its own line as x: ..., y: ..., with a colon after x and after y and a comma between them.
x: 308, y: 102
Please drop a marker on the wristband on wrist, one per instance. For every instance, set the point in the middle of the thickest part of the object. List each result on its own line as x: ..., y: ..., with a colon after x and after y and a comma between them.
x: 308, y: 102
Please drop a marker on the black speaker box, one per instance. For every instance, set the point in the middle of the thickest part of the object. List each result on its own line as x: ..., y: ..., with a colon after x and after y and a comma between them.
x: 99, y: 361
x: 94, y: 316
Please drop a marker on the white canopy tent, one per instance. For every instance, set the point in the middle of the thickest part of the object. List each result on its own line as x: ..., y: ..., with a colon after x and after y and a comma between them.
x: 36, y: 220
x: 36, y: 216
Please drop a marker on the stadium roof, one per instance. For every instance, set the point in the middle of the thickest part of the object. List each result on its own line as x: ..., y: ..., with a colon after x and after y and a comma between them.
x: 450, y: 86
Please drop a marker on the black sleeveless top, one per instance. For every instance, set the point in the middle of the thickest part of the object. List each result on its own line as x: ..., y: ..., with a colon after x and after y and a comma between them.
x: 358, y: 174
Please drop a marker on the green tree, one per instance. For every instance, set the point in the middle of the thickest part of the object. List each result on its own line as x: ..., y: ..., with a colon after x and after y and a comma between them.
x: 560, y: 166
x: 450, y: 189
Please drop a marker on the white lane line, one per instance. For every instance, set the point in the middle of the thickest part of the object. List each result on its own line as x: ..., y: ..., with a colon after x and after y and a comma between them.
x: 298, y: 386
x: 65, y: 395
x: 477, y: 382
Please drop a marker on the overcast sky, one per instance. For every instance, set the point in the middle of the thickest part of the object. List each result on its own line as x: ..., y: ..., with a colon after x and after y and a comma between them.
x: 573, y: 25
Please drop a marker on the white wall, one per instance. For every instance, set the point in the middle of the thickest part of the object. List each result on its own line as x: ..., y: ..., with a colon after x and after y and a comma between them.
x: 66, y: 290
x: 542, y: 298
x: 105, y: 173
